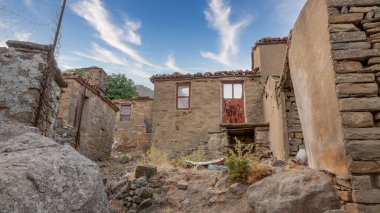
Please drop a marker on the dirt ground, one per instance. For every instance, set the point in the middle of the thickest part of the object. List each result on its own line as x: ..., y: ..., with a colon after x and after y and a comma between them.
x: 207, y: 190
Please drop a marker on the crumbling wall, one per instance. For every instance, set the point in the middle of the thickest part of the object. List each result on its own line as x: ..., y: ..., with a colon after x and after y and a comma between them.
x: 84, y: 108
x: 181, y: 132
x: 355, y: 41
x: 95, y: 76
x: 134, y: 134
x: 275, y: 115
x: 29, y: 85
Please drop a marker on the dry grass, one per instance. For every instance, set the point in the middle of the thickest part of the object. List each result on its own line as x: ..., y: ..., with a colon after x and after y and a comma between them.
x: 156, y: 157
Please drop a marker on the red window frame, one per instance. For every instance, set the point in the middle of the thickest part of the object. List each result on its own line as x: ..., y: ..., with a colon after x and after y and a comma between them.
x: 177, y: 96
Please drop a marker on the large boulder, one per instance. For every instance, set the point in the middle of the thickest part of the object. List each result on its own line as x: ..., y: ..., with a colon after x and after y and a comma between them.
x: 39, y: 175
x: 294, y: 191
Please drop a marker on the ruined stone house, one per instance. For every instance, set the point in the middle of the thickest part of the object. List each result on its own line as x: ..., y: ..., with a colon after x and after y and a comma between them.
x: 133, y: 126
x: 87, y: 116
x: 30, y: 86
x: 204, y: 112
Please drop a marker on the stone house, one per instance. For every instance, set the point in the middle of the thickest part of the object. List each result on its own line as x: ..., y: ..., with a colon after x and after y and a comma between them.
x: 133, y: 126
x: 204, y: 112
x: 86, y: 112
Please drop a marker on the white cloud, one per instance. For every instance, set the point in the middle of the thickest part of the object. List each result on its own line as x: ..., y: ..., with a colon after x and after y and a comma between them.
x: 22, y: 36
x: 218, y: 17
x: 170, y: 64
x: 98, y: 17
x: 28, y: 2
x: 107, y: 57
x: 131, y: 28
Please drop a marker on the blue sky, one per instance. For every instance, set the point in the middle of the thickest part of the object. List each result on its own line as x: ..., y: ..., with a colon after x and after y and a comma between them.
x: 144, y: 37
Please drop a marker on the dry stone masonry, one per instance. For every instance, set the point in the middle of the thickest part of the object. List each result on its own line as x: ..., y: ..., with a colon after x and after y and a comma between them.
x: 354, y: 35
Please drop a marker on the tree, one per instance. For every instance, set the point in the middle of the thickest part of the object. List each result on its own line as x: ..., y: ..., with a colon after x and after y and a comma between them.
x: 120, y: 87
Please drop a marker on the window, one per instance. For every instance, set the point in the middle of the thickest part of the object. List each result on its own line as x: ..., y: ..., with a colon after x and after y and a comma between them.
x: 125, y: 113
x: 233, y: 91
x: 183, y: 96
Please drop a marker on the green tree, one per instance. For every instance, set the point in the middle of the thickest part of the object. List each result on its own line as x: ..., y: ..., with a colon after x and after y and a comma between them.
x: 120, y: 87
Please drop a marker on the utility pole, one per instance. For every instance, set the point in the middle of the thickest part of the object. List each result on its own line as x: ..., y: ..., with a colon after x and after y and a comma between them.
x: 59, y: 25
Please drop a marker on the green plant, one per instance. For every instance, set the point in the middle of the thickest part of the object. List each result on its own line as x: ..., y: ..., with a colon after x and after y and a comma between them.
x: 239, y: 160
x: 120, y: 87
x: 195, y: 156
x: 155, y: 156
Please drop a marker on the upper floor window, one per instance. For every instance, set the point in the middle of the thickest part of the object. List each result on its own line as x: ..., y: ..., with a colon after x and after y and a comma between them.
x: 125, y: 113
x: 183, y: 96
x: 232, y: 91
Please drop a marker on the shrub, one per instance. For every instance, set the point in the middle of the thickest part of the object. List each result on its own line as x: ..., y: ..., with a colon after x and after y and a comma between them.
x: 195, y: 156
x: 155, y: 156
x: 239, y: 160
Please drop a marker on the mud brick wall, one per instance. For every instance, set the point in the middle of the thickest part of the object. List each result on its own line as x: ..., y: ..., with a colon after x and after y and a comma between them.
x: 29, y: 85
x: 355, y: 41
x: 134, y: 134
x: 181, y: 132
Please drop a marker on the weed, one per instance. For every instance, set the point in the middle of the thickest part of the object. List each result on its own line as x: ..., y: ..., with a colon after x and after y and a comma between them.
x: 195, y: 156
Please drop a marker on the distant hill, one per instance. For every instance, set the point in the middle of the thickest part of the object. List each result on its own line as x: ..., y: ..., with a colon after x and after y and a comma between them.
x: 144, y: 91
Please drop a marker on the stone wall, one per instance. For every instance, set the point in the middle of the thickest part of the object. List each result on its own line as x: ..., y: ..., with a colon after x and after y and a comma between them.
x: 84, y: 107
x: 95, y: 76
x: 295, y: 135
x: 355, y: 42
x: 64, y: 134
x: 134, y: 134
x: 29, y: 85
x: 184, y: 131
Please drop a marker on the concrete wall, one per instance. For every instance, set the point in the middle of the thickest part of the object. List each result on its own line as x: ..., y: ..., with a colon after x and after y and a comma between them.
x: 184, y: 131
x: 275, y: 115
x: 133, y: 135
x: 313, y: 76
x: 29, y: 93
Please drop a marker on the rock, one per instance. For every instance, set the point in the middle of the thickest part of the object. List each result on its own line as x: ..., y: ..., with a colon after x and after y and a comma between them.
x: 257, y: 172
x: 39, y: 175
x: 357, y: 55
x: 362, y: 9
x: 145, y: 170
x: 371, y: 25
x: 142, y: 181
x: 354, y: 18
x: 364, y: 167
x: 355, y: 78
x: 357, y: 119
x: 185, y: 202
x: 360, y: 104
x: 357, y: 88
x: 335, y: 211
x: 145, y: 193
x: 237, y: 189
x: 118, y: 185
x: 373, y: 61
x: 145, y: 204
x: 182, y: 185
x: 343, y: 28
x: 351, y: 45
x: 370, y: 196
x: 362, y: 133
x: 278, y: 163
x: 350, y: 3
x: 348, y: 66
x: 221, y: 184
x: 293, y: 191
x: 138, y: 200
x: 301, y: 157
x: 362, y: 182
x: 341, y: 37
x: 364, y: 149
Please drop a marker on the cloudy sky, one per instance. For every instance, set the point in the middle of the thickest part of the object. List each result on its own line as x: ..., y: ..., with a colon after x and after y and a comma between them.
x: 144, y: 37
